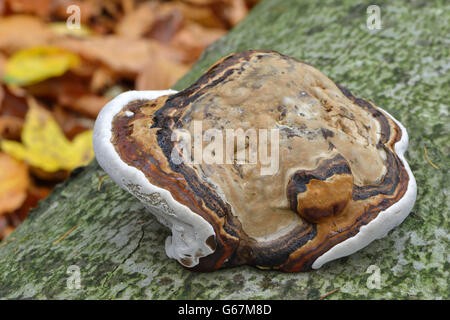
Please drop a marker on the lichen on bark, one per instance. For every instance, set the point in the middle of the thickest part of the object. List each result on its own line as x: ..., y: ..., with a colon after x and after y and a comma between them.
x: 118, y: 247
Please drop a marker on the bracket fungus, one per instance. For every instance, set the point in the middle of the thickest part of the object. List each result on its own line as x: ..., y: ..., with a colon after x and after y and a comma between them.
x: 340, y: 179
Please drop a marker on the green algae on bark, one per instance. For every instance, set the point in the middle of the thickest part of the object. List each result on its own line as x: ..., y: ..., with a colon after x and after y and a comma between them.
x: 118, y: 248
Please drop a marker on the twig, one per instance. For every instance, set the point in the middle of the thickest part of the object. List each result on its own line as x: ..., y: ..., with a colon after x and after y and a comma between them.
x: 428, y: 159
x: 65, y: 235
x: 100, y: 182
x: 6, y: 242
x: 329, y: 293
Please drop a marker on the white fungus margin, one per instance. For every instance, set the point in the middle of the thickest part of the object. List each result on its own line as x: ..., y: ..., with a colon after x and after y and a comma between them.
x: 189, y: 230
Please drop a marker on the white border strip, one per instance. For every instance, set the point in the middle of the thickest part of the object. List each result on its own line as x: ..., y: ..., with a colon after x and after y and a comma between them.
x: 189, y: 230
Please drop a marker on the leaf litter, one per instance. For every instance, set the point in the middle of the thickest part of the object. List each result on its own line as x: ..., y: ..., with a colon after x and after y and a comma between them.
x: 54, y: 79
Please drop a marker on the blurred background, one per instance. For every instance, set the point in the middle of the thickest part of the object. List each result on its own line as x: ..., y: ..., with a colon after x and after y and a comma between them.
x: 61, y: 61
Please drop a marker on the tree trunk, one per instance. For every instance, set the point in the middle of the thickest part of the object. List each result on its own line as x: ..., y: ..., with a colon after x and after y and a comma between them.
x: 90, y: 228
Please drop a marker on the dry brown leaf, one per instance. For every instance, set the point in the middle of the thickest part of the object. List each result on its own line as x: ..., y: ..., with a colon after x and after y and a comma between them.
x: 127, y: 6
x: 160, y: 74
x: 85, y: 68
x: 3, y: 225
x: 63, y: 89
x: 2, y: 12
x: 199, y: 2
x: 35, y: 7
x: 167, y: 24
x: 20, y: 31
x: 34, y: 194
x: 203, y: 15
x: 88, y: 104
x: 69, y: 91
x: 112, y: 9
x: 251, y: 3
x: 137, y: 22
x: 102, y: 77
x: 56, y: 176
x: 10, y: 127
x: 234, y: 11
x: 5, y: 232
x: 194, y: 38
x: 14, y: 182
x: 123, y: 55
x: 9, y: 221
x: 71, y: 122
x: 12, y: 104
x: 2, y: 64
x: 12, y: 114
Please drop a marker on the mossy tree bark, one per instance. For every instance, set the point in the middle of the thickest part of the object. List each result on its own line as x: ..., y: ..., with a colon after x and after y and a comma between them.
x: 118, y: 248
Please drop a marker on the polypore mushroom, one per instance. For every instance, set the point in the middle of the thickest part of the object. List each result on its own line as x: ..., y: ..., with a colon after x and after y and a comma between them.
x: 340, y: 179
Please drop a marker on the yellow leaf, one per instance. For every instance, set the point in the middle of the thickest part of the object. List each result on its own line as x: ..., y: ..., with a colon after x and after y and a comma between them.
x: 44, y: 145
x: 14, y: 182
x: 33, y: 65
x: 60, y: 28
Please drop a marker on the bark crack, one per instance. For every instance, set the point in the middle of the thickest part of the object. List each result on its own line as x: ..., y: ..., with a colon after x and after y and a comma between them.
x: 109, y: 276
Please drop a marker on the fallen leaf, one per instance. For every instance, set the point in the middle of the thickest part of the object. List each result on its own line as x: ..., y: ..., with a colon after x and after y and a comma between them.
x: 102, y: 77
x: 12, y: 114
x: 20, y: 31
x: 2, y: 64
x: 14, y: 182
x: 69, y: 91
x: 33, y: 65
x: 44, y: 145
x: 56, y: 176
x: 137, y: 22
x: 201, y: 2
x: 88, y: 104
x: 166, y: 25
x: 112, y: 9
x: 13, y: 105
x: 5, y: 232
x: 60, y: 28
x: 34, y: 194
x: 123, y: 55
x: 10, y: 127
x: 233, y: 11
x: 193, y: 39
x: 201, y: 14
x: 160, y: 74
x: 251, y: 3
x: 37, y: 7
x: 3, y: 229
x: 72, y: 123
x: 127, y: 6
